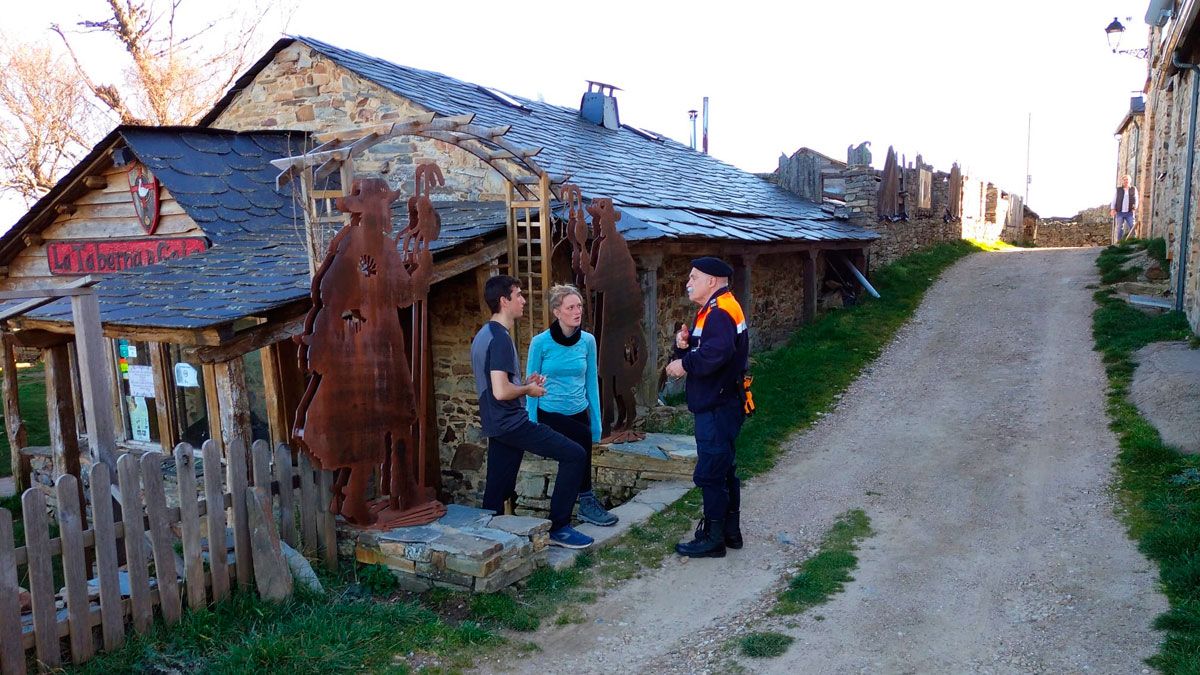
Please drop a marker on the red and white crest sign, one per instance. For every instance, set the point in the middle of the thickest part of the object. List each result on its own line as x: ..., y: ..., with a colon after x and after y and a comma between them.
x: 144, y: 188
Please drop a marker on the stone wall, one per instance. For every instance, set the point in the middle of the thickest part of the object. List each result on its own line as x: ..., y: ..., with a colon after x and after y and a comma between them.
x: 303, y: 90
x: 1090, y: 227
x: 776, y: 304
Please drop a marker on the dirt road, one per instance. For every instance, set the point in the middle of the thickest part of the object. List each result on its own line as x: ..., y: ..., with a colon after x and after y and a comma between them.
x: 978, y: 446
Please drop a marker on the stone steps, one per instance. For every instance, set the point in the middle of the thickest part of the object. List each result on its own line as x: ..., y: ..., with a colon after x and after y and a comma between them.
x: 633, y: 512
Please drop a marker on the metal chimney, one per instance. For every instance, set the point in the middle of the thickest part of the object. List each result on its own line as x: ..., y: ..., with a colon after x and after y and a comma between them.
x: 705, y: 125
x: 599, y: 105
x: 692, y: 116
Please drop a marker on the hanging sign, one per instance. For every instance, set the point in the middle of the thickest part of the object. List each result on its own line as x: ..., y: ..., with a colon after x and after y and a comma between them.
x: 143, y: 186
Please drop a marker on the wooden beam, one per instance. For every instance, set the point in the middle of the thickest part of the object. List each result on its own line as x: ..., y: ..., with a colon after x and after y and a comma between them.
x: 253, y: 339
x: 648, y: 269
x: 198, y: 337
x: 13, y: 424
x: 273, y: 386
x: 96, y: 182
x: 95, y: 376
x: 212, y: 403
x: 233, y: 402
x: 811, y: 291
x: 33, y: 239
x: 41, y: 339
x: 65, y: 209
x: 64, y: 437
x: 164, y: 400
x: 743, y: 283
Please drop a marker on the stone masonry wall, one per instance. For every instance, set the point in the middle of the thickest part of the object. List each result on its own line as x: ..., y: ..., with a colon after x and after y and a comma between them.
x: 1090, y: 227
x: 777, y: 299
x: 303, y: 90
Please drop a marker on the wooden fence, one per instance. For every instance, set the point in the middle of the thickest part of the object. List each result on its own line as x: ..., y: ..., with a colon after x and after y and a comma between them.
x: 113, y: 569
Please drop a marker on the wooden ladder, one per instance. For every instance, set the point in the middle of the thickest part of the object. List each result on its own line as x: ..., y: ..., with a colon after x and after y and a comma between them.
x: 529, y: 248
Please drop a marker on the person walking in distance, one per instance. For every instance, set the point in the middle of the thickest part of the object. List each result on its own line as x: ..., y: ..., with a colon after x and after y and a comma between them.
x: 714, y: 357
x: 1123, y: 205
x: 505, y: 422
x: 565, y: 355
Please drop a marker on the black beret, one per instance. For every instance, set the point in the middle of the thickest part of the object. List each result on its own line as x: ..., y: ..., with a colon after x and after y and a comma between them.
x: 714, y: 266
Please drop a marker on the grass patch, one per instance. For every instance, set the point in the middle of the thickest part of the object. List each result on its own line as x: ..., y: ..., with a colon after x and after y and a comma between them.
x: 1158, y: 486
x: 308, y: 634
x: 31, y: 390
x: 826, y: 573
x: 766, y: 645
x: 1113, y: 258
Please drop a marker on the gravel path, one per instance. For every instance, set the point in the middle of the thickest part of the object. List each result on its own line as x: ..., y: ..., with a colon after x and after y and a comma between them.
x: 978, y: 445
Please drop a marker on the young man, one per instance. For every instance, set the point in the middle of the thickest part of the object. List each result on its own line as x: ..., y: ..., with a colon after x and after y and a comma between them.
x: 506, y: 423
x: 714, y: 356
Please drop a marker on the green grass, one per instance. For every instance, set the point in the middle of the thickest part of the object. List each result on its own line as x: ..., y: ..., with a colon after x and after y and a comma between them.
x: 1113, y: 258
x: 765, y: 645
x: 31, y: 390
x: 1157, y: 485
x: 825, y: 574
x: 308, y: 634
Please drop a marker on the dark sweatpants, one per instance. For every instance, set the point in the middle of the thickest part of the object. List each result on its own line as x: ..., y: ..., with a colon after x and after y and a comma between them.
x: 504, y: 461
x: 716, y: 464
x: 577, y: 427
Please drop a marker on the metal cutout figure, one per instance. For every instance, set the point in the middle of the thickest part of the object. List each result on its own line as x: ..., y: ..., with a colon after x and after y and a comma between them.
x: 360, y: 411
x: 609, y: 275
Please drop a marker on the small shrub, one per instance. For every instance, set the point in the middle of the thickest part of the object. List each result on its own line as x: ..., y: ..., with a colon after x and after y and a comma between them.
x: 377, y: 579
x: 766, y: 645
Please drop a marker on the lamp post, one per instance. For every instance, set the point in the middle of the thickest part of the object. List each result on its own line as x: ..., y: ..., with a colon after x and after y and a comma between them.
x: 1113, y: 33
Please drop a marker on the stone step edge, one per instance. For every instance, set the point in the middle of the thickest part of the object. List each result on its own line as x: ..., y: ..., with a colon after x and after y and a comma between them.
x: 633, y: 512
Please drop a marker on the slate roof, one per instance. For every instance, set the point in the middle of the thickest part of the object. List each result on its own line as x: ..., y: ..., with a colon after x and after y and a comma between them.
x: 257, y: 262
x: 686, y: 194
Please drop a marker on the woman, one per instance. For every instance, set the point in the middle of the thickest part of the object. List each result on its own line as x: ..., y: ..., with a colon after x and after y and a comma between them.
x: 565, y: 355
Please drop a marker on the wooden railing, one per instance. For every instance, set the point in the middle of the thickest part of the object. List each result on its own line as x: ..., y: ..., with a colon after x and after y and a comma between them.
x: 113, y: 570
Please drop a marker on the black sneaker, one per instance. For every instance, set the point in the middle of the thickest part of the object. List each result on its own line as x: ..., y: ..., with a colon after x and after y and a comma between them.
x: 590, y: 511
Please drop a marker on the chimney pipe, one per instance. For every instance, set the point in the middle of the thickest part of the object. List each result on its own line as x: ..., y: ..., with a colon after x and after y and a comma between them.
x: 692, y: 116
x: 705, y: 125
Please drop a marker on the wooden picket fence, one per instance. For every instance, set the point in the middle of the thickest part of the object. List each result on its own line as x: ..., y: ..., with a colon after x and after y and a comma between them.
x: 151, y: 538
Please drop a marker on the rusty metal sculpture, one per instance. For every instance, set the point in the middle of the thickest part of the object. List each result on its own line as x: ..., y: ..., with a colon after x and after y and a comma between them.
x: 609, y: 276
x: 360, y: 411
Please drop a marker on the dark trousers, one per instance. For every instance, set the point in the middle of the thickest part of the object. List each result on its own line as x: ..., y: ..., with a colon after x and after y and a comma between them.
x: 504, y: 461
x: 577, y: 427
x: 716, y: 463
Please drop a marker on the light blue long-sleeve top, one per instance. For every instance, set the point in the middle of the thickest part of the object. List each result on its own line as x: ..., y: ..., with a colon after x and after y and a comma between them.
x: 572, y: 384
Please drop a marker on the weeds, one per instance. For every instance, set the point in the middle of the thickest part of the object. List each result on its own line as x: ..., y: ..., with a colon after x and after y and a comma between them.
x: 766, y: 645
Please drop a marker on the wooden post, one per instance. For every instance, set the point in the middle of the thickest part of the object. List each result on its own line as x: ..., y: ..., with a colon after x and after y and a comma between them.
x: 811, y: 292
x: 743, y: 283
x: 232, y: 401
x: 648, y: 267
x: 273, y: 386
x: 64, y: 439
x: 212, y: 404
x: 164, y: 401
x: 17, y: 435
x: 76, y: 390
x: 95, y: 374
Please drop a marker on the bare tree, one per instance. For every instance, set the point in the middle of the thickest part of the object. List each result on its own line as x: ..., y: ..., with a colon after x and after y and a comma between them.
x: 174, y: 75
x: 47, y: 121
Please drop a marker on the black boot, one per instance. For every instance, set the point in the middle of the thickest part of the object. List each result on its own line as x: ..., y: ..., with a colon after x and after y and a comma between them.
x: 733, y: 529
x: 708, y: 544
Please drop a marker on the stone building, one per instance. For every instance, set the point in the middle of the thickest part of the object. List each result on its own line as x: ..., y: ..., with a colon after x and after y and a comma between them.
x: 1170, y: 206
x: 233, y: 306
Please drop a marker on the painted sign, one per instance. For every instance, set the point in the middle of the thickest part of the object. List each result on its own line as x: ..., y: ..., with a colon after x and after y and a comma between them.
x: 139, y: 418
x: 143, y: 186
x: 185, y: 375
x: 104, y: 256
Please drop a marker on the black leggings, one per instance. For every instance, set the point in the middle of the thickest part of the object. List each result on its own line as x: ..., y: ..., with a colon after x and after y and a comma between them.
x: 577, y: 427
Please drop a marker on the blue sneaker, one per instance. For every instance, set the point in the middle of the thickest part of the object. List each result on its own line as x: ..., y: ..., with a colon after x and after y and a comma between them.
x: 569, y: 537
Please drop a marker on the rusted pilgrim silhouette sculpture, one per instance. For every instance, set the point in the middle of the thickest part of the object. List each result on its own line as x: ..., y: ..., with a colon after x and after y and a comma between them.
x: 359, y: 412
x: 610, y: 276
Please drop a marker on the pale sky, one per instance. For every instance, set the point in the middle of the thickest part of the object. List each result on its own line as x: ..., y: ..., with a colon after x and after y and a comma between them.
x: 953, y: 80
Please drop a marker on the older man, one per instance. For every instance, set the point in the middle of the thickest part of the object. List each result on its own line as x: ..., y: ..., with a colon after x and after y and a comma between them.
x: 1123, y: 205
x: 714, y: 357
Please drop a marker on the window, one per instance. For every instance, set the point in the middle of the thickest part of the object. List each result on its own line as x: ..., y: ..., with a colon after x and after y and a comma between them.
x: 135, y: 378
x: 187, y: 391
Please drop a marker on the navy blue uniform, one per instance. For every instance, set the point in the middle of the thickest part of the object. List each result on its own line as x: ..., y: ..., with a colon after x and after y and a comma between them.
x: 716, y: 360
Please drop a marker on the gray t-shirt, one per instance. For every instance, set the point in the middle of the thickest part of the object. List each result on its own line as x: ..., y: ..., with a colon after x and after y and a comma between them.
x: 493, y: 349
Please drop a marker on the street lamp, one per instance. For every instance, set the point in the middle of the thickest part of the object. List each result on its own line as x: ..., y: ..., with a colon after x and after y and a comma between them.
x: 1113, y: 34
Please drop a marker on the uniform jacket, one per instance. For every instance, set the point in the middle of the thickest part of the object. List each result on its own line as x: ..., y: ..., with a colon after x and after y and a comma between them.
x: 718, y: 353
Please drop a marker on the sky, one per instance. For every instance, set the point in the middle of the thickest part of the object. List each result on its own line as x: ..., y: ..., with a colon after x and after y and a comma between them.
x: 971, y: 82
